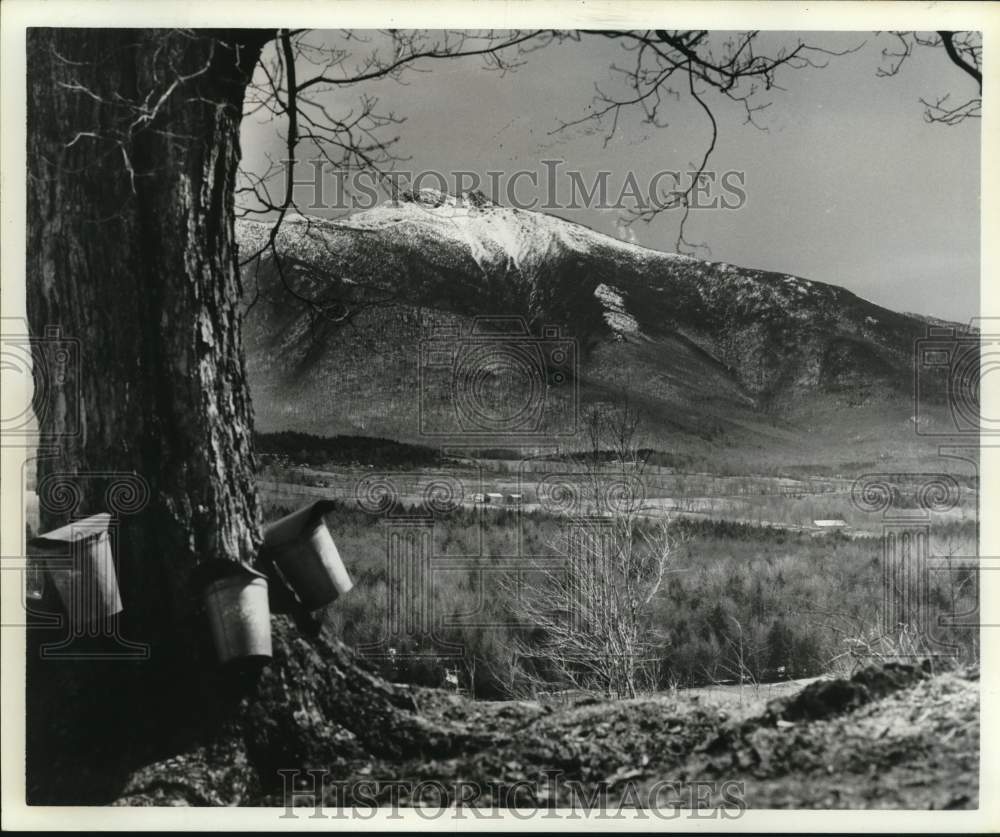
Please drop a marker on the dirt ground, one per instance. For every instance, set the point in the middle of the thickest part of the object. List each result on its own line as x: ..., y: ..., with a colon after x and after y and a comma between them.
x: 890, y: 737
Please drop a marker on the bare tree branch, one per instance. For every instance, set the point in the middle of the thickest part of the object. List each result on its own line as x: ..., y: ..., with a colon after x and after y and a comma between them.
x: 959, y: 59
x: 732, y: 68
x: 964, y: 50
x: 346, y: 139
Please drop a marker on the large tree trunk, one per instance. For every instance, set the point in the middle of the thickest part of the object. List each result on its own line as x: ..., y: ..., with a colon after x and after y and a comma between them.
x: 133, y: 146
x: 131, y: 252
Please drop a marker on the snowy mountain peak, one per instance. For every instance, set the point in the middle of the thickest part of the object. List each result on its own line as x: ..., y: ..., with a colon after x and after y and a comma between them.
x: 434, y: 198
x: 690, y: 338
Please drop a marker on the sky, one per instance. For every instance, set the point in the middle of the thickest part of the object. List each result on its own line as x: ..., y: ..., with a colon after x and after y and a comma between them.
x: 845, y: 184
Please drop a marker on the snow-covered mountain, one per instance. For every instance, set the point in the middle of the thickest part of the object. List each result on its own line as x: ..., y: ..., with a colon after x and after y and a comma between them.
x: 708, y: 350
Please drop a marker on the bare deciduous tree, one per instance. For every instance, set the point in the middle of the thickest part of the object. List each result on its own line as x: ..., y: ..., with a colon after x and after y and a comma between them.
x: 589, y: 614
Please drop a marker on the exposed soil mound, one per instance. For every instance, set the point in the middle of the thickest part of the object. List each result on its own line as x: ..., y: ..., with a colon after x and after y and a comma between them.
x: 891, y: 736
x: 829, y: 697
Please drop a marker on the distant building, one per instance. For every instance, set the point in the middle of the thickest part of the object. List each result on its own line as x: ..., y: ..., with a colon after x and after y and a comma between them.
x: 513, y: 499
x: 478, y: 499
x: 832, y: 523
x: 494, y: 498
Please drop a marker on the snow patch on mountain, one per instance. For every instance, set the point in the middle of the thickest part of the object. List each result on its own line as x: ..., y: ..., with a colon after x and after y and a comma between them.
x: 616, y: 315
x: 491, y: 234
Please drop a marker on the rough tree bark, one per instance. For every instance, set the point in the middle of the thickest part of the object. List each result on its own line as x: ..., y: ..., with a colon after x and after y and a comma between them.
x: 131, y: 252
x: 133, y: 145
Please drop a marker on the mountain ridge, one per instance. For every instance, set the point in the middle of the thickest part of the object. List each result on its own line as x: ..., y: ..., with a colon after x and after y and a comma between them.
x: 700, y: 345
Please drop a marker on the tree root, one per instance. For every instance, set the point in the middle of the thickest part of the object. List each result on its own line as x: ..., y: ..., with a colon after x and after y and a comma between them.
x: 314, y: 705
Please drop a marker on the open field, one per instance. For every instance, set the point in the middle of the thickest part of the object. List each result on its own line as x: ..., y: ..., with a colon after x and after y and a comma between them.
x: 559, y: 489
x: 742, y: 602
x: 750, y: 566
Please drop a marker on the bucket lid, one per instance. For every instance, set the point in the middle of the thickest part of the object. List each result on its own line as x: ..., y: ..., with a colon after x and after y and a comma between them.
x: 293, y: 525
x: 73, y: 532
x: 219, y: 568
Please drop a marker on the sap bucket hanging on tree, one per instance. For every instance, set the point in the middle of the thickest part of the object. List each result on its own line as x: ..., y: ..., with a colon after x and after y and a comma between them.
x: 239, y: 616
x: 302, y: 549
x: 85, y: 578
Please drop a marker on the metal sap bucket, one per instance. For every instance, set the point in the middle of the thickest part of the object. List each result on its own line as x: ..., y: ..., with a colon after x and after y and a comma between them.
x: 239, y: 616
x: 301, y: 548
x: 86, y: 579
